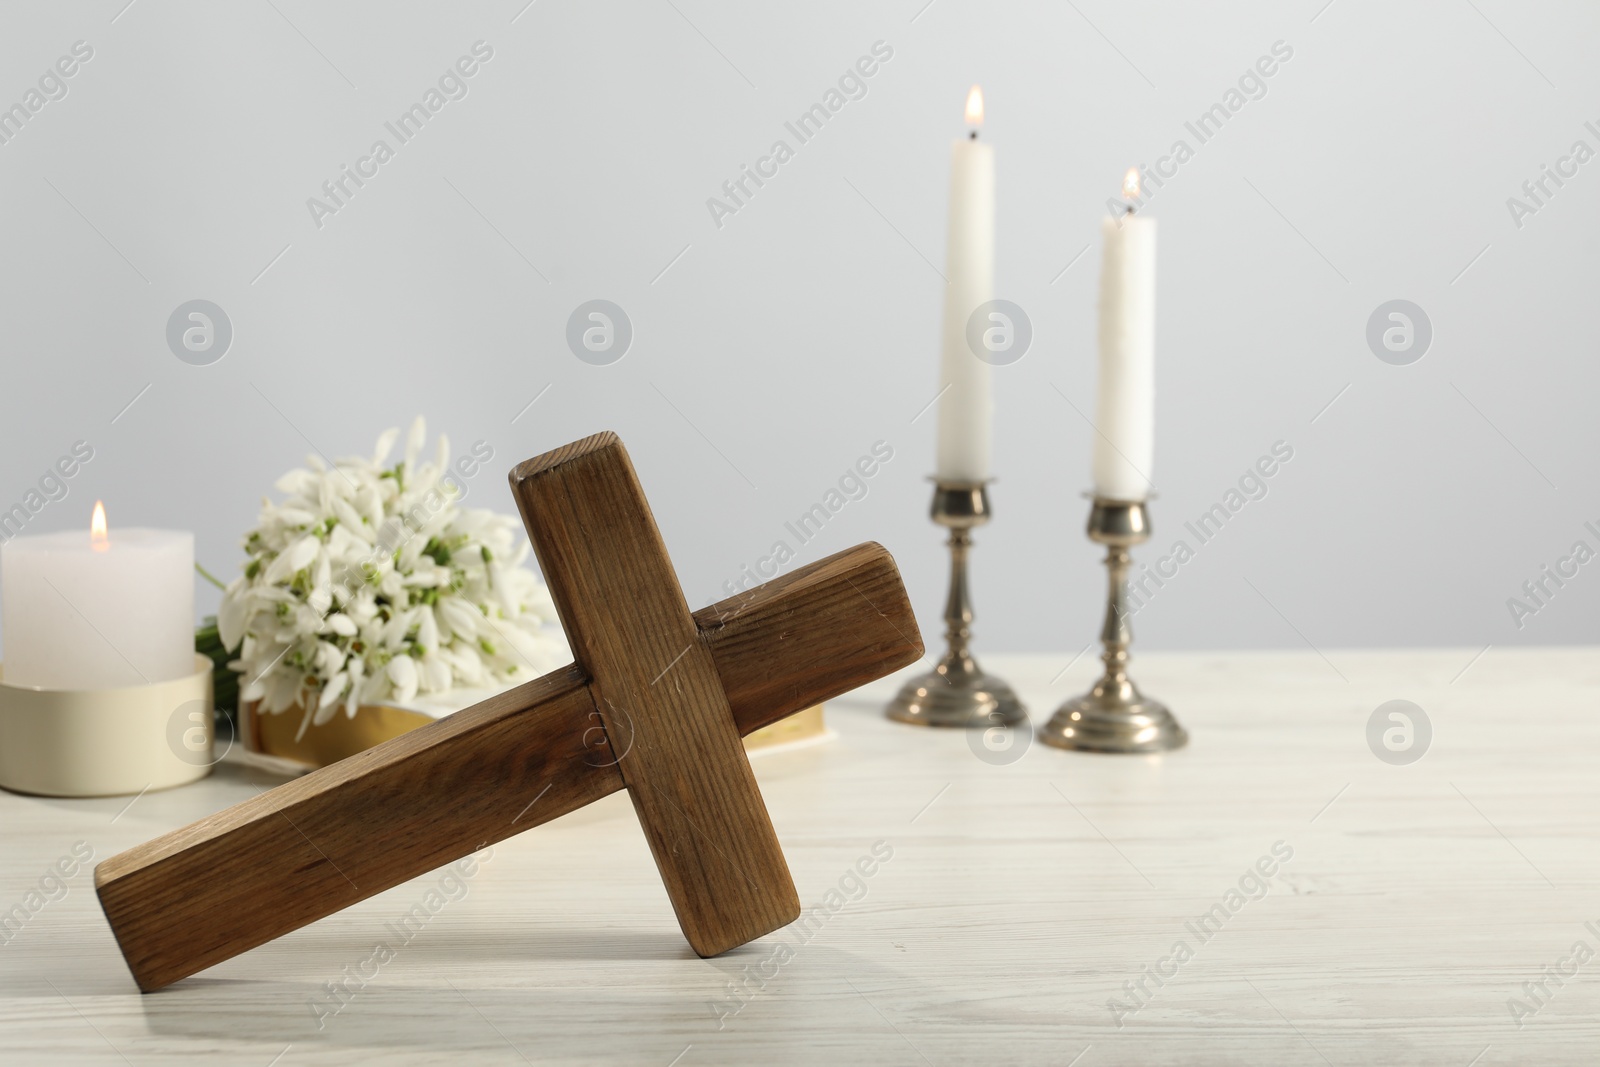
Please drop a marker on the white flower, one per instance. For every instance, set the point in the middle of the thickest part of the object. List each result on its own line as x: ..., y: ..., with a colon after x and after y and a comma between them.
x: 368, y: 583
x: 402, y: 673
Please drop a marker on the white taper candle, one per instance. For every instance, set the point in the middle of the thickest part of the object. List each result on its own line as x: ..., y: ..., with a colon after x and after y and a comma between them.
x: 966, y: 407
x: 1124, y: 441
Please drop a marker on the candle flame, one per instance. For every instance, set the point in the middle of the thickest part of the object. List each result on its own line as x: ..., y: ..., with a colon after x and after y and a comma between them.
x: 975, y: 106
x: 98, y: 536
x: 1130, y: 184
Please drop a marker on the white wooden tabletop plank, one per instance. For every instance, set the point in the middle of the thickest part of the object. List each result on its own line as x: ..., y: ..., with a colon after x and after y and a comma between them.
x: 1019, y: 898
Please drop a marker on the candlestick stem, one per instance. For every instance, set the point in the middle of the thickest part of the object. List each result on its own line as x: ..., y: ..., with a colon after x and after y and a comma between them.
x: 1115, y: 633
x: 1114, y: 716
x: 958, y: 605
x: 957, y: 692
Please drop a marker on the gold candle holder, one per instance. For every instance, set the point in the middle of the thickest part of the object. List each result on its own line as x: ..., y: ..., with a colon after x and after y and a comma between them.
x: 1114, y: 716
x: 957, y: 692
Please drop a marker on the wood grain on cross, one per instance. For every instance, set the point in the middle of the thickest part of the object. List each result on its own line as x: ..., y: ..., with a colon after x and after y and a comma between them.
x: 674, y: 693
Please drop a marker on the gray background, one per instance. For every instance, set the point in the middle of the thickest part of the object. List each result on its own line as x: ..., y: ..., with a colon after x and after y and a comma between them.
x: 777, y: 349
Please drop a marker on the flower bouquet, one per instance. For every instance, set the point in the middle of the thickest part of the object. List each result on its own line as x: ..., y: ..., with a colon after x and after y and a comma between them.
x: 369, y: 587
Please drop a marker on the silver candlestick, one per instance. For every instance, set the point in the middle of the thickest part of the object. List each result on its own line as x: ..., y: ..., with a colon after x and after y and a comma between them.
x: 957, y: 692
x: 1114, y: 716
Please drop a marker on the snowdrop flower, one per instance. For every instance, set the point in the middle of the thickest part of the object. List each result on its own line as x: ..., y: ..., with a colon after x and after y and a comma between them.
x: 368, y: 582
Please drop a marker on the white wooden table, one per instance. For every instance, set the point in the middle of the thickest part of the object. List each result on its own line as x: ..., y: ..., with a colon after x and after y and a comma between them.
x: 1019, y: 899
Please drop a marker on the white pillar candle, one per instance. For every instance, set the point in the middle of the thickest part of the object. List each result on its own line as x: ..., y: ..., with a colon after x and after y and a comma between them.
x: 81, y: 610
x: 966, y: 407
x: 1124, y: 440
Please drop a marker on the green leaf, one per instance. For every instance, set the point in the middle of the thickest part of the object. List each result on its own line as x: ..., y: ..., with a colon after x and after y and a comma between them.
x: 208, y: 576
x: 224, y: 681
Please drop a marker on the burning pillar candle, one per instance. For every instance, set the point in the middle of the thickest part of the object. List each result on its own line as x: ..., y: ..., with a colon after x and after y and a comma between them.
x: 96, y: 611
x: 966, y: 405
x: 1125, y: 413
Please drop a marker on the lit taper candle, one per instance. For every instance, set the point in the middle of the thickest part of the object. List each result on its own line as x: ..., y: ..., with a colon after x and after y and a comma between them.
x: 966, y: 406
x: 1124, y: 440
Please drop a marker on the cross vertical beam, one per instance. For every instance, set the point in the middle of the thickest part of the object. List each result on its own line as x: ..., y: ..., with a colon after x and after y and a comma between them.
x: 654, y: 680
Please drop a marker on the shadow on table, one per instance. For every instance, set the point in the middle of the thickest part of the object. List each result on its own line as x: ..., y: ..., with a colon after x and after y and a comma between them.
x: 589, y: 998
x: 669, y: 995
x: 541, y: 992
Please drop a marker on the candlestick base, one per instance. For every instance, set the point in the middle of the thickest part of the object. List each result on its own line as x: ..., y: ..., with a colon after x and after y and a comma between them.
x: 1114, y: 716
x: 965, y: 699
x: 957, y: 693
x: 1102, y: 721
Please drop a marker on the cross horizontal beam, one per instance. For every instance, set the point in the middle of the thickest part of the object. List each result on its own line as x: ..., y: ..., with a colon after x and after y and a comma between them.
x: 197, y: 896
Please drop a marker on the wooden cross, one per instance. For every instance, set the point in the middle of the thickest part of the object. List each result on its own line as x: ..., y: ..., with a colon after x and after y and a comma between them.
x: 673, y: 691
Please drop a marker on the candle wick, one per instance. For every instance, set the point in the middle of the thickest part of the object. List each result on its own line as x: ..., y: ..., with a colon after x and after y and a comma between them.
x: 974, y: 135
